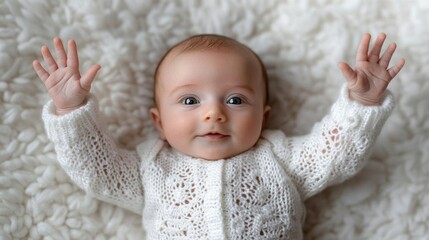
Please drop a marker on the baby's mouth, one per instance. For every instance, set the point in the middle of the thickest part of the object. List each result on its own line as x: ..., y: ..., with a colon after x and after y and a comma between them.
x: 214, y: 136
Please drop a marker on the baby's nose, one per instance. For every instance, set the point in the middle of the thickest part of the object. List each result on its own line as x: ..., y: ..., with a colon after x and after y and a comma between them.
x: 214, y: 113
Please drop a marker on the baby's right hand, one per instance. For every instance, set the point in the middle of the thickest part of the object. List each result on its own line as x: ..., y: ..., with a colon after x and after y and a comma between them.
x: 62, y: 78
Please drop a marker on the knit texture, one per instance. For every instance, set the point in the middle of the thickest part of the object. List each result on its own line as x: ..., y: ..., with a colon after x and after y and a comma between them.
x: 258, y: 194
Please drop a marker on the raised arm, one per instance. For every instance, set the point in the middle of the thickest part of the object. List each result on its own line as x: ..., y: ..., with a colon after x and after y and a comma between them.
x: 73, y: 123
x: 339, y: 145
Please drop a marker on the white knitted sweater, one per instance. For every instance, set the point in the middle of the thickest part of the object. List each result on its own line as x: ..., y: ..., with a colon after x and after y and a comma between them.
x: 258, y: 194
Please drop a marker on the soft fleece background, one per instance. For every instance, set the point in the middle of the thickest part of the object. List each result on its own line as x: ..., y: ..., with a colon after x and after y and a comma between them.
x: 300, y: 41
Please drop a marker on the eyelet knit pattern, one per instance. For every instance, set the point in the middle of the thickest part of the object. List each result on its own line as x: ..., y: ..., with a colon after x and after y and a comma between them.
x: 258, y: 194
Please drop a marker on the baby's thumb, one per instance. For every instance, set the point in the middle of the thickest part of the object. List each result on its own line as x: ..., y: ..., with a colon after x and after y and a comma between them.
x: 348, y: 73
x: 89, y: 76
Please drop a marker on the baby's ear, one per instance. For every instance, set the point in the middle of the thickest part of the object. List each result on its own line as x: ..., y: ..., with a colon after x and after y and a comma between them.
x: 156, y: 119
x: 267, y: 110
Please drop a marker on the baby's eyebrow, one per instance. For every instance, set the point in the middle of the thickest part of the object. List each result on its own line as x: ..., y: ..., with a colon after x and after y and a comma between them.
x: 245, y: 87
x: 186, y: 86
x: 195, y: 85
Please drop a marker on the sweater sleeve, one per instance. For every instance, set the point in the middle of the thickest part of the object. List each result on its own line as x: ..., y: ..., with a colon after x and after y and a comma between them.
x: 336, y: 148
x: 91, y: 158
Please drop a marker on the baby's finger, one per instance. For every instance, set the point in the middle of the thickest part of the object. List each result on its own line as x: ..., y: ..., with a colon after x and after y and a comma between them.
x: 362, y: 54
x: 89, y: 76
x: 72, y: 57
x: 49, y: 60
x: 41, y: 72
x: 348, y: 73
x: 387, y: 56
x: 374, y: 54
x: 395, y: 69
x: 60, y: 52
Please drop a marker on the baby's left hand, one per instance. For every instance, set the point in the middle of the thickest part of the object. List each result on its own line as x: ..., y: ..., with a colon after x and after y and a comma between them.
x: 368, y: 82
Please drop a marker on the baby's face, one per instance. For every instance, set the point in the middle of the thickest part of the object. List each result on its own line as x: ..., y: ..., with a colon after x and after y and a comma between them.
x: 210, y: 103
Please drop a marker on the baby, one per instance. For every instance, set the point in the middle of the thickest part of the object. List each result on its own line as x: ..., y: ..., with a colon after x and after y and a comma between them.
x: 215, y: 172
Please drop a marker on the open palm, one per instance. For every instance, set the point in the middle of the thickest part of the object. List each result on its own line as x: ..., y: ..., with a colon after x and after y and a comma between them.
x: 367, y: 83
x: 62, y: 78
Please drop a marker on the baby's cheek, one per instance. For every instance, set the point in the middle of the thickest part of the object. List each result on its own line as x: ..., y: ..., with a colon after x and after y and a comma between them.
x: 250, y: 128
x: 178, y: 130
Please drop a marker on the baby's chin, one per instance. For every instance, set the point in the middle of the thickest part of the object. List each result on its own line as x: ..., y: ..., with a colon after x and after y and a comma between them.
x: 212, y: 149
x: 215, y: 156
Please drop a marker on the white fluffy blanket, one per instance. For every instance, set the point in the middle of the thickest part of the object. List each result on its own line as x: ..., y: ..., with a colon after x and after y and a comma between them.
x: 300, y: 42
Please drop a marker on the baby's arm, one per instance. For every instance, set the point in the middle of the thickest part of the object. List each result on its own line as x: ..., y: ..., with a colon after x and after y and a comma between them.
x: 84, y: 148
x: 338, y: 146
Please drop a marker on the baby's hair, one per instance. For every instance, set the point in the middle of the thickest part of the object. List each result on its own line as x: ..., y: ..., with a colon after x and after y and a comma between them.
x: 210, y: 42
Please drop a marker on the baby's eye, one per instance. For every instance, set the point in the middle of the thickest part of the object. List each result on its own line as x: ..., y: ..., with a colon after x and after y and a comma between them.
x: 190, y: 101
x: 234, y: 100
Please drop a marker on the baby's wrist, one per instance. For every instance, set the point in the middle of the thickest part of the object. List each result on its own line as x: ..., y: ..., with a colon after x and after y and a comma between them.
x: 364, y: 100
x: 60, y: 111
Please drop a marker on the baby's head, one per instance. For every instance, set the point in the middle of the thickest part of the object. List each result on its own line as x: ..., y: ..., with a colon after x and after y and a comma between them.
x: 211, y: 97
